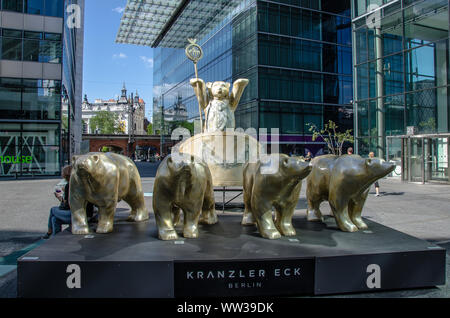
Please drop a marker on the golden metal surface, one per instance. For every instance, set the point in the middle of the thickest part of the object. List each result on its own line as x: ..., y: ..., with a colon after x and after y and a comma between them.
x: 218, y: 103
x: 225, y: 153
x: 280, y: 190
x: 103, y: 179
x: 184, y: 184
x: 344, y: 182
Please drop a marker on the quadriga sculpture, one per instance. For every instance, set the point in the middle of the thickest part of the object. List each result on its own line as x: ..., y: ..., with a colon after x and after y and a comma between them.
x: 183, y: 182
x: 279, y: 187
x: 103, y: 179
x: 344, y: 182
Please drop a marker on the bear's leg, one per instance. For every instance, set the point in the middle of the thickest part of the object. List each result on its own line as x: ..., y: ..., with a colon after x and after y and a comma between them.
x: 283, y: 220
x: 79, y: 218
x: 138, y: 210
x: 208, y: 215
x: 355, y: 208
x: 247, y: 218
x: 176, y: 215
x: 106, y: 218
x: 262, y: 212
x: 191, y: 216
x: 313, y: 212
x: 164, y: 220
x: 340, y: 211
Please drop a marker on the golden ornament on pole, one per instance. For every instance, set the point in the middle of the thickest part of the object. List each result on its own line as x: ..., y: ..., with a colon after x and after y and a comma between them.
x: 194, y: 52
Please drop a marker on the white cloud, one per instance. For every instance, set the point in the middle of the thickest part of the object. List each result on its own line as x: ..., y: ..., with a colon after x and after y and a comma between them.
x: 148, y: 61
x: 120, y: 56
x: 119, y: 9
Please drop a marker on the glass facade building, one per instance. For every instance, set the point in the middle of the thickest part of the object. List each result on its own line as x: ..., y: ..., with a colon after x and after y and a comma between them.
x: 297, y: 55
x: 32, y: 85
x: 401, y: 76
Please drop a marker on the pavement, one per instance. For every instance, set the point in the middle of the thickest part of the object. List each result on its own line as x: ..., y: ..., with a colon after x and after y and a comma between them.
x: 419, y: 210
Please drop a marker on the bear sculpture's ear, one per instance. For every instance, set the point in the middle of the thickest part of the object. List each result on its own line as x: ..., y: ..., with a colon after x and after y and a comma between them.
x: 95, y: 157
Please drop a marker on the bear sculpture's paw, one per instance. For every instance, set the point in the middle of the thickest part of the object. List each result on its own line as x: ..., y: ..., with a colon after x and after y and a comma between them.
x: 80, y: 230
x: 167, y: 235
x: 208, y: 218
x: 271, y: 234
x: 348, y: 227
x: 248, y: 219
x: 287, y: 230
x: 190, y: 232
x: 104, y: 228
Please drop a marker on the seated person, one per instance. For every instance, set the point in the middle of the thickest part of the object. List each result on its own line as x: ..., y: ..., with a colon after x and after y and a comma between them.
x: 61, y: 215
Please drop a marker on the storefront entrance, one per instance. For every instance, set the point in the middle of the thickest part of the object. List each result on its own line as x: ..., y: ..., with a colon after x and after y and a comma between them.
x: 421, y: 158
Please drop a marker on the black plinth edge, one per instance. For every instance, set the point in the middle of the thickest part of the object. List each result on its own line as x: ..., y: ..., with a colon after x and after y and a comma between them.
x: 228, y: 260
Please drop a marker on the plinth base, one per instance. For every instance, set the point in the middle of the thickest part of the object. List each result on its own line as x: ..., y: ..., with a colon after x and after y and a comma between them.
x: 229, y: 260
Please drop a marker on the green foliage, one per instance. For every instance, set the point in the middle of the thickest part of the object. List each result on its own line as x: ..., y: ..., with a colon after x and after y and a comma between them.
x: 428, y: 126
x: 335, y: 140
x: 150, y: 129
x: 106, y: 123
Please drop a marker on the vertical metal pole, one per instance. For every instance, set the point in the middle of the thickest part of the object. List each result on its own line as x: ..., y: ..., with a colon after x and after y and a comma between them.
x: 380, y: 92
x: 423, y: 160
x: 223, y: 200
x: 409, y: 160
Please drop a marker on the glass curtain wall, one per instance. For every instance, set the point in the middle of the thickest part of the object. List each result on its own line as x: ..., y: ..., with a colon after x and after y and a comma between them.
x: 305, y: 68
x: 297, y: 55
x: 401, y: 57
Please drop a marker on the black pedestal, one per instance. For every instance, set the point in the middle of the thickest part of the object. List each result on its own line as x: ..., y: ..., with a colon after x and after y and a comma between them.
x: 229, y: 260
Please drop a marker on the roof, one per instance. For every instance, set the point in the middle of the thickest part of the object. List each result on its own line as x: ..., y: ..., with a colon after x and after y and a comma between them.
x: 169, y: 23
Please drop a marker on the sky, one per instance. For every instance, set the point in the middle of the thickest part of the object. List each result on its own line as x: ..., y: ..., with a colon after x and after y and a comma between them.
x: 107, y: 65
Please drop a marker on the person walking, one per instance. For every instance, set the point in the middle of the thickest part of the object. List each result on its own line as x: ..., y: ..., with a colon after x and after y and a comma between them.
x: 377, y: 185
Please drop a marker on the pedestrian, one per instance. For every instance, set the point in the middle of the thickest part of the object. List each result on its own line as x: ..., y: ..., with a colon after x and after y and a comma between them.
x: 377, y: 185
x: 61, y: 215
x: 350, y: 151
x: 308, y: 156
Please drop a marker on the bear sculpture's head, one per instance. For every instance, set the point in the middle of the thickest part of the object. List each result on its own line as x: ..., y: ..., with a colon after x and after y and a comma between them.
x: 295, y: 166
x: 219, y: 90
x: 378, y: 168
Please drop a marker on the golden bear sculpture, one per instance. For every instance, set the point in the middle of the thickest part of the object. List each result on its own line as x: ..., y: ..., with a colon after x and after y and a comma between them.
x: 275, y: 183
x: 218, y: 102
x: 103, y: 179
x: 183, y: 182
x: 344, y: 182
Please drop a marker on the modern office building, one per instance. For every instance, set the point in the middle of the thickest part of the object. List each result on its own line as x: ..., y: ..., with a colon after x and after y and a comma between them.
x: 401, y: 78
x: 296, y: 54
x: 40, y: 64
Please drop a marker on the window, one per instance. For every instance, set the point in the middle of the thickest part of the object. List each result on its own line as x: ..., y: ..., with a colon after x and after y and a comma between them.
x: 12, y: 45
x: 31, y: 47
x: 54, y: 8
x: 34, y: 6
x: 12, y: 5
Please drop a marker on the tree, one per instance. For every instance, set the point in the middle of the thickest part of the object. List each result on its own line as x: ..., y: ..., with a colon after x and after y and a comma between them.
x: 105, y: 122
x: 335, y: 140
x: 150, y: 129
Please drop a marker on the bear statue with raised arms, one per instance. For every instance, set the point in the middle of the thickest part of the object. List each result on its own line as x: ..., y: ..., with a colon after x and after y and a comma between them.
x: 104, y: 179
x: 183, y: 182
x: 275, y: 183
x: 344, y: 182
